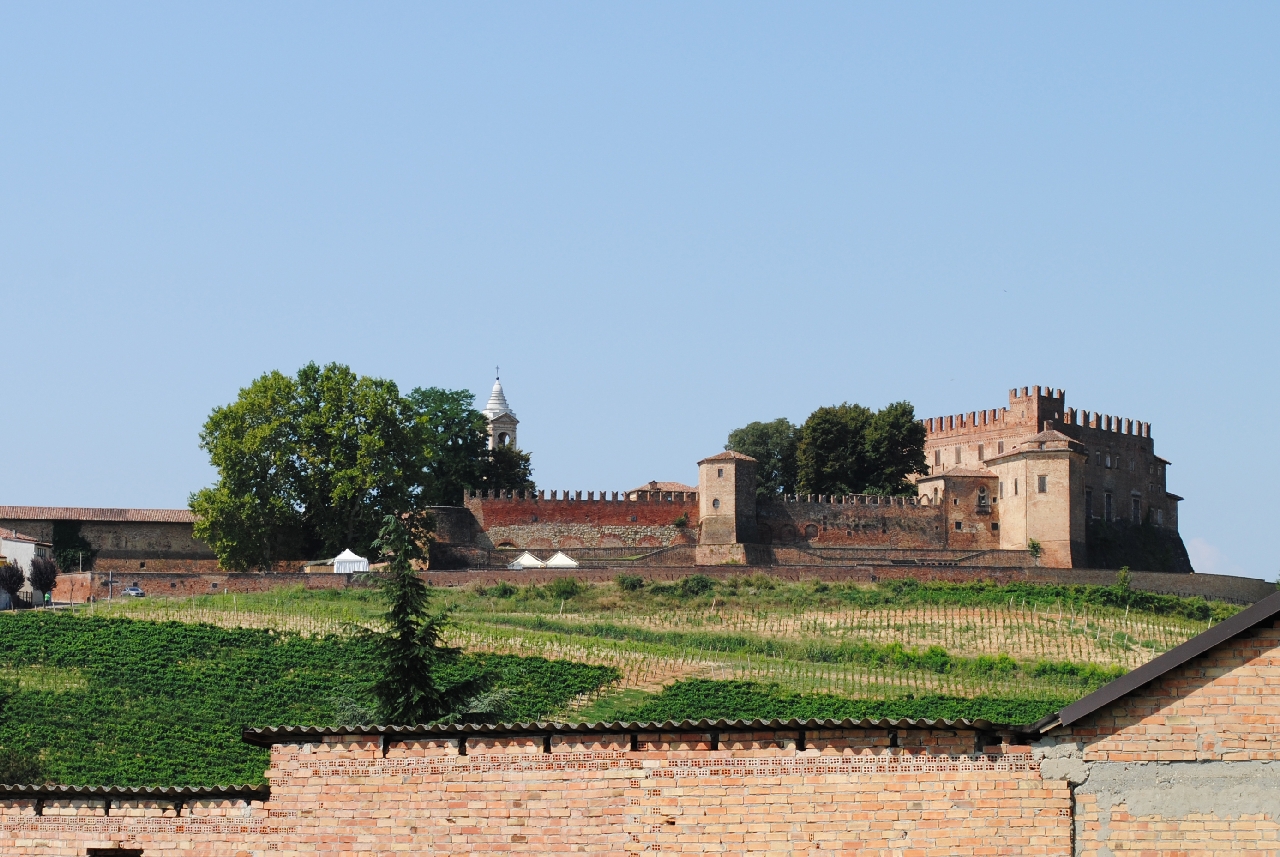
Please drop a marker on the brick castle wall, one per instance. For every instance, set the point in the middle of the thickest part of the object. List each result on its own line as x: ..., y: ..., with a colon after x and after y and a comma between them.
x: 126, y: 540
x: 583, y: 519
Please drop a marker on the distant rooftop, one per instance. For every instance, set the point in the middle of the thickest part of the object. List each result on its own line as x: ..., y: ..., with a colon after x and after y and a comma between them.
x: 664, y: 486
x: 74, y: 513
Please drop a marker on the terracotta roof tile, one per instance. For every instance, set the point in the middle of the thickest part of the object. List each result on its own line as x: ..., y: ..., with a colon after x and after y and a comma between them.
x: 15, y: 536
x: 728, y: 455
x: 71, y: 513
x: 664, y: 486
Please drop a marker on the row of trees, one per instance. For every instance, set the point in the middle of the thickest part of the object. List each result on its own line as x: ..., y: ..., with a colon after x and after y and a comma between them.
x: 44, y: 574
x: 843, y: 449
x: 311, y: 464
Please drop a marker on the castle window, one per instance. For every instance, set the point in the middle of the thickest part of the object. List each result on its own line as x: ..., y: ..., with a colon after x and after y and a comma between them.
x: 1106, y: 507
x: 810, y: 531
x: 1097, y: 459
x: 1015, y: 487
x: 937, y: 458
x: 1160, y: 517
x: 1108, y: 460
x: 715, y: 504
x: 1088, y: 503
x: 981, y: 455
x: 982, y: 496
x: 1000, y: 447
x: 1135, y: 509
x: 995, y: 526
x: 1042, y: 484
x: 957, y: 525
x: 719, y: 472
x: 957, y: 455
x: 1002, y: 489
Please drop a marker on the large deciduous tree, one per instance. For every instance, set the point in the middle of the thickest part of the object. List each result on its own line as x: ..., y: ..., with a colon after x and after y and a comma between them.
x: 312, y: 464
x: 507, y: 469
x: 850, y: 449
x: 773, y: 445
x: 44, y: 574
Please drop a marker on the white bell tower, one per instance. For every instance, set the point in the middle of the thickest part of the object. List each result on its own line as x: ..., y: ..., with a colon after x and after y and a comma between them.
x: 502, y: 420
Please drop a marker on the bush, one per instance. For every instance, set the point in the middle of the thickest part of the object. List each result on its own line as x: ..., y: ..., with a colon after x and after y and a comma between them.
x: 503, y: 590
x: 629, y: 582
x: 695, y: 585
x: 565, y: 587
x: 11, y: 581
x: 682, y: 521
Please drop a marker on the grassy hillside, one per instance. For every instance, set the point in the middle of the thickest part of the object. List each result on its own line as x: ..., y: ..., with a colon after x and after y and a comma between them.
x: 785, y: 648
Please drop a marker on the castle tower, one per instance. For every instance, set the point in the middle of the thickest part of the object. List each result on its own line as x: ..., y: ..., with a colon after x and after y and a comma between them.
x: 502, y: 420
x: 727, y: 507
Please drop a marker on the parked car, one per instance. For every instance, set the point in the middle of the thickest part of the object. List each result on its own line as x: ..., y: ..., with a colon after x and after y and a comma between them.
x: 133, y: 592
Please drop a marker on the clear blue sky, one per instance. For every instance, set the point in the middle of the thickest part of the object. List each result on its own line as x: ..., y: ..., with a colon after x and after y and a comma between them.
x: 662, y: 220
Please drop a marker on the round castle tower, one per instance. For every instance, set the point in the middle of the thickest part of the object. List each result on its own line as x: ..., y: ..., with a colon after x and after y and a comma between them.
x: 502, y: 420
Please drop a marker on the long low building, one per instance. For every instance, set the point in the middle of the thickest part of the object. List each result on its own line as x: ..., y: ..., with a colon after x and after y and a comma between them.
x: 123, y: 539
x: 1176, y: 758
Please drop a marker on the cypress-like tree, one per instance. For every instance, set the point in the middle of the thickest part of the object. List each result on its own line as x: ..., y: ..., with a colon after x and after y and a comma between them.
x: 410, y: 647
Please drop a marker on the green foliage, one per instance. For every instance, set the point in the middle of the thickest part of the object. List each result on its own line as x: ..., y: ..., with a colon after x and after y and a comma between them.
x: 635, y: 583
x: 71, y: 551
x: 311, y: 465
x: 11, y: 581
x: 773, y: 445
x: 1033, y: 547
x: 507, y: 469
x: 849, y: 449
x: 19, y: 768
x: 695, y: 585
x: 44, y: 574
x: 682, y: 521
x: 454, y: 435
x: 565, y: 587
x: 747, y: 700
x: 410, y: 648
x: 163, y: 703
x: 910, y: 591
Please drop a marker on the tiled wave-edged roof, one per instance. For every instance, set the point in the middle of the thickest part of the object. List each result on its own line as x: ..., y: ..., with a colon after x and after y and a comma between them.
x: 15, y: 536
x: 75, y: 513
x: 269, y: 735
x: 50, y: 790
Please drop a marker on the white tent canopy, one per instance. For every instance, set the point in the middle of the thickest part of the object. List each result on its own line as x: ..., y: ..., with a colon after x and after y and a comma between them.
x: 559, y: 560
x: 348, y: 562
x: 526, y: 560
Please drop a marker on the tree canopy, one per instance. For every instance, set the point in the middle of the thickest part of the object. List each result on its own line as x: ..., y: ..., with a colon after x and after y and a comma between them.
x: 312, y: 464
x: 773, y: 445
x: 843, y: 449
x: 850, y: 449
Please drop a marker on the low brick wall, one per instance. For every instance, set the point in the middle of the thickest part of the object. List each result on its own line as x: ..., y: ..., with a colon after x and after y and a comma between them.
x: 776, y: 792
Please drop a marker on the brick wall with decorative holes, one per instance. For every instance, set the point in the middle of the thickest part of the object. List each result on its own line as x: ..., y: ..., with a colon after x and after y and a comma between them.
x: 821, y: 794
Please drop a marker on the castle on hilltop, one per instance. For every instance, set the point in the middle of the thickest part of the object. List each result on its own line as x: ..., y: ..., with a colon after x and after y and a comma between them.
x: 1034, y: 483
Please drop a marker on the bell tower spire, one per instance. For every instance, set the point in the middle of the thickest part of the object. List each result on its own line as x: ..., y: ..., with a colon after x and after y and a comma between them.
x: 502, y: 420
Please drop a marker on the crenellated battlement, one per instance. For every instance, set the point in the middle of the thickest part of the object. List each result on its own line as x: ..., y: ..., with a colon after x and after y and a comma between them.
x: 851, y: 499
x: 1106, y: 423
x: 576, y: 496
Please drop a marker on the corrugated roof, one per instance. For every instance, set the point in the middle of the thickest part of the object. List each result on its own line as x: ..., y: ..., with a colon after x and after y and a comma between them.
x: 1245, y: 620
x: 137, y: 792
x: 75, y: 513
x: 269, y: 735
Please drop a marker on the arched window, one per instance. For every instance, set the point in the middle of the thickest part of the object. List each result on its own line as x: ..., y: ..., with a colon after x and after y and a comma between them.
x: 982, y: 495
x: 715, y: 504
x: 503, y: 438
x: 810, y: 531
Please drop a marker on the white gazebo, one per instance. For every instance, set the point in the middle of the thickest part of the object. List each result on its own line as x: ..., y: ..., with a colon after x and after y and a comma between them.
x: 348, y: 562
x: 560, y: 560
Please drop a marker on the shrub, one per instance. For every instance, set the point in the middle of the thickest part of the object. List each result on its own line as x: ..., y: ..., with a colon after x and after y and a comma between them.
x: 682, y: 521
x: 696, y: 584
x: 565, y: 587
x: 44, y: 574
x: 629, y: 582
x: 11, y: 580
x: 503, y: 590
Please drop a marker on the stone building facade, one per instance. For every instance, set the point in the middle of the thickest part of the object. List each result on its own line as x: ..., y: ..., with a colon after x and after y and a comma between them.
x: 1176, y: 759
